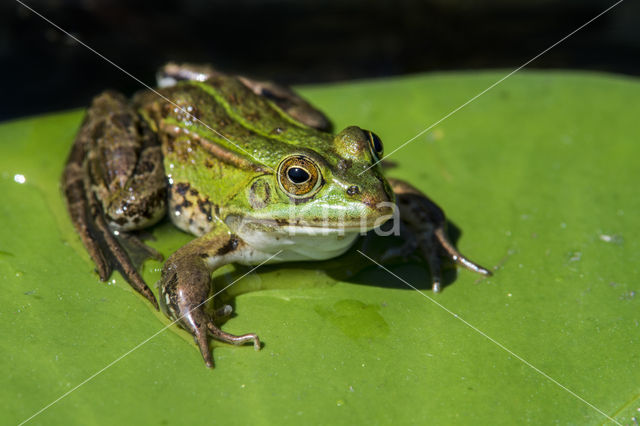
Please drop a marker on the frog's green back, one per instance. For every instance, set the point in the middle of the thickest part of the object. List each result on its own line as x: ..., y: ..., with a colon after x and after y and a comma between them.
x: 245, y: 124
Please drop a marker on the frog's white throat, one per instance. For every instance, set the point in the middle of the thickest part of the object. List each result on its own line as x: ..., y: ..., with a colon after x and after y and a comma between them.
x: 295, y: 243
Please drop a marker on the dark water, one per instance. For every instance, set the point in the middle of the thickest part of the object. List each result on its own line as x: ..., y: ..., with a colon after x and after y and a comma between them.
x: 296, y: 42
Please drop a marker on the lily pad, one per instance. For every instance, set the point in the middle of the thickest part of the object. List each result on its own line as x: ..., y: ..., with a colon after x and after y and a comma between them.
x: 540, y: 175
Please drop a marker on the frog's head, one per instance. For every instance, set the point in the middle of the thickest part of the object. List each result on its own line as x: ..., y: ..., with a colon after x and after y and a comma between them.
x: 333, y: 184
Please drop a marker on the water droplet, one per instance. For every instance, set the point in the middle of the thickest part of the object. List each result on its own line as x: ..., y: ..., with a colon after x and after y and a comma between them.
x: 19, y: 178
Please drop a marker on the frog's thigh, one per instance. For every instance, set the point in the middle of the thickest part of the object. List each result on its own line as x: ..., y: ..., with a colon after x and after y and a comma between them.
x: 125, y: 166
x: 290, y: 102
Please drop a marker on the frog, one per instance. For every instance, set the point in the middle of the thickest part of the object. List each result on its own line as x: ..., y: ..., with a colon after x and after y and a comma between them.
x: 251, y: 169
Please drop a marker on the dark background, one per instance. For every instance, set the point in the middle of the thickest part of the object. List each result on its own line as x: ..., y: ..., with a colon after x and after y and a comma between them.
x: 296, y: 42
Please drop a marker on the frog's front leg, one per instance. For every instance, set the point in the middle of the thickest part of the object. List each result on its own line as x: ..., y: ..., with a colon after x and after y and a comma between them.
x: 186, y: 285
x: 427, y: 224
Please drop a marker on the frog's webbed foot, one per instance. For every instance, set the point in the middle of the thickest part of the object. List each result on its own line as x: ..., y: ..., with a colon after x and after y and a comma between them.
x: 185, y: 287
x: 428, y: 231
x: 136, y: 248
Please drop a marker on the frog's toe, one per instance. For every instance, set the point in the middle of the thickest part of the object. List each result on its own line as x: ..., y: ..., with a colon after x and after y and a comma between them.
x: 455, y: 256
x: 233, y: 339
x: 204, y: 326
x: 429, y: 250
x: 202, y: 339
x: 433, y: 259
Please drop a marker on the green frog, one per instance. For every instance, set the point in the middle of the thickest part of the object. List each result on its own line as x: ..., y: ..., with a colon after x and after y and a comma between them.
x: 248, y: 167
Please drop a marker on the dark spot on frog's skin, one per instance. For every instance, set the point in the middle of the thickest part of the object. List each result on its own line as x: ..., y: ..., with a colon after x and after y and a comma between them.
x: 205, y: 208
x: 166, y: 109
x: 268, y: 93
x: 193, y: 192
x: 182, y: 188
x: 193, y: 111
x: 230, y: 246
x: 98, y: 130
x: 145, y: 167
x: 120, y: 220
x: 369, y: 202
x: 344, y: 164
x: 122, y: 120
x: 353, y: 190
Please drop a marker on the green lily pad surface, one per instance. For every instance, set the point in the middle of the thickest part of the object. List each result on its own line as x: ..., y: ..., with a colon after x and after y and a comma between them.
x: 540, y: 175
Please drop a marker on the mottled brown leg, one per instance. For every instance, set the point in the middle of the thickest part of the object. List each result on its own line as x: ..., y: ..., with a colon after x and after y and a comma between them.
x: 113, y: 152
x: 428, y: 223
x: 186, y: 286
x: 78, y: 206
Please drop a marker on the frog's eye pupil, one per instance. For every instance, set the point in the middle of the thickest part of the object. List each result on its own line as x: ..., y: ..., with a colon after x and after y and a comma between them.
x: 298, y: 175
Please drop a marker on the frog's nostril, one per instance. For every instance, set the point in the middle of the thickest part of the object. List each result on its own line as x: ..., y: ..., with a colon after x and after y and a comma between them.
x: 353, y: 190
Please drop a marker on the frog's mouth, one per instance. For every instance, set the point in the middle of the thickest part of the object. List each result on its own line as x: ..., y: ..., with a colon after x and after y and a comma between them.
x: 318, y: 220
x: 310, y: 227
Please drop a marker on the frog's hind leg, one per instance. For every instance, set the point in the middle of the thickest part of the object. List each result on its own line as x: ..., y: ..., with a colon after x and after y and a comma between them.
x: 428, y: 226
x: 290, y: 102
x: 73, y: 185
x: 96, y: 236
x: 113, y: 183
x: 286, y: 99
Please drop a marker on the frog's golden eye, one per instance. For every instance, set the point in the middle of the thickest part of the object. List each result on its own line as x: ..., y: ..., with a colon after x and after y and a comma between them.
x: 375, y: 144
x: 299, y: 176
